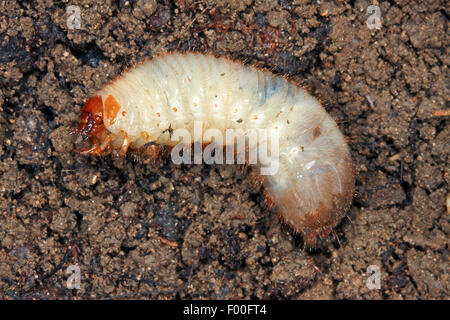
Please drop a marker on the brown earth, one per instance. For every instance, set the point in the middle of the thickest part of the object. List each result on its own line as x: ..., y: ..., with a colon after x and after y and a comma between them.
x: 141, y: 230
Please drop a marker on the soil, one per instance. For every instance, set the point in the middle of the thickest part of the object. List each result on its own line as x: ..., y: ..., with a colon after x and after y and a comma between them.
x: 139, y: 229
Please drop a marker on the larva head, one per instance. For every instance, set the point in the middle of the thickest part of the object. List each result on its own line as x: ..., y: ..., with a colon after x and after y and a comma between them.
x: 91, y: 119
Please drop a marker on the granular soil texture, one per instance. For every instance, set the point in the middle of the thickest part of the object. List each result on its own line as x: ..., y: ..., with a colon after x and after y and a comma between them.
x: 138, y: 229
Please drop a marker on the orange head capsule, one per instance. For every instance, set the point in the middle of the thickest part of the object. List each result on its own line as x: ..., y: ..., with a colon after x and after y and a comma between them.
x: 91, y: 119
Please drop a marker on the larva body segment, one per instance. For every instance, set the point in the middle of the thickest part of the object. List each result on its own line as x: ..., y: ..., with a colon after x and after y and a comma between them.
x: 314, y: 184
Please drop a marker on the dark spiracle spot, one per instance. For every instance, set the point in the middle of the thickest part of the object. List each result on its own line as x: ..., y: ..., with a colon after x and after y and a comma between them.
x: 316, y: 132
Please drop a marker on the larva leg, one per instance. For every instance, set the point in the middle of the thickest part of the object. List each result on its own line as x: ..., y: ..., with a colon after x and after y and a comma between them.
x: 97, y: 146
x: 151, y: 151
x: 125, y: 145
x: 106, y: 143
x: 93, y: 150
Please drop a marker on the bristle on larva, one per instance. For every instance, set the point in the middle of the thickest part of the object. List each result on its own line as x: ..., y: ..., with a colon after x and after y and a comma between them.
x: 313, y: 186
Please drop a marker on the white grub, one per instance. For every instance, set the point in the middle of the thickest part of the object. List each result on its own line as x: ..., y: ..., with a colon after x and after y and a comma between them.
x: 314, y: 185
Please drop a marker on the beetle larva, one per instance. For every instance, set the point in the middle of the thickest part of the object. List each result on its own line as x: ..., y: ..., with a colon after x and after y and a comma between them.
x: 314, y: 184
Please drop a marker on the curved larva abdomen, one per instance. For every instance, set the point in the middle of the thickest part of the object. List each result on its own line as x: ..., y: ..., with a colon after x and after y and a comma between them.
x: 313, y: 187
